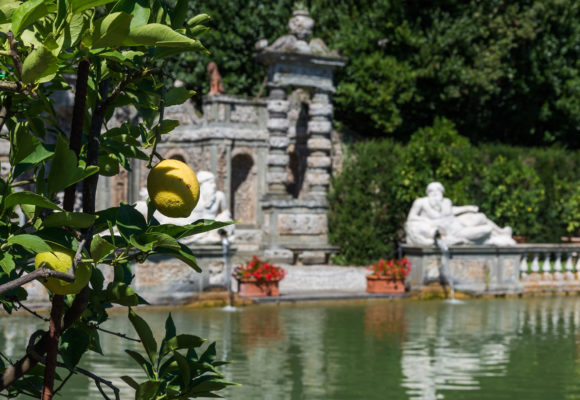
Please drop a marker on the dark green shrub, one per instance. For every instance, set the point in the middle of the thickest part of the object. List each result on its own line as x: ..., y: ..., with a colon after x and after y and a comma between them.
x: 512, y: 194
x: 362, y: 220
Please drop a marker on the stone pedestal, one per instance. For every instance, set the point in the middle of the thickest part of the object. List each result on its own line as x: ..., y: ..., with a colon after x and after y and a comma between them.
x: 475, y: 269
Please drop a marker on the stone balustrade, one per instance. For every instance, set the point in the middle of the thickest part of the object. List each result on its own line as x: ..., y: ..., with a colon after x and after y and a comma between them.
x: 550, y: 267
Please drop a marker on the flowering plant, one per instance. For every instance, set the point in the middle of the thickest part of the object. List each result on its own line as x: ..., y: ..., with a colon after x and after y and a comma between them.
x: 258, y: 270
x: 393, y: 268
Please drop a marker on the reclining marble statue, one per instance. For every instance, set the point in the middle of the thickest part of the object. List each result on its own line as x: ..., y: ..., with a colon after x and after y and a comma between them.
x: 212, y: 205
x: 435, y: 216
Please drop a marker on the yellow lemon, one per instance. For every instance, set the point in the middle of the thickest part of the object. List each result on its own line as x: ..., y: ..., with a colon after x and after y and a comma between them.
x: 61, y: 259
x: 173, y: 188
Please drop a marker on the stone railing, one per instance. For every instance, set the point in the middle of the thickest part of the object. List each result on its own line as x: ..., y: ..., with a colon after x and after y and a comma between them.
x: 548, y: 264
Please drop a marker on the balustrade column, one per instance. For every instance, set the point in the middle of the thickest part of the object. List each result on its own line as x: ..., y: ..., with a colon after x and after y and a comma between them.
x: 277, y: 176
x: 319, y: 143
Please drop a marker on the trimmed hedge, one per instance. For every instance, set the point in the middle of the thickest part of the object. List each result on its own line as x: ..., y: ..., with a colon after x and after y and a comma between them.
x: 533, y: 190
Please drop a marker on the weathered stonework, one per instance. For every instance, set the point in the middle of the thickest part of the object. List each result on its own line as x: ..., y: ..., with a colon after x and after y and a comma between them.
x: 279, y: 142
x: 319, y: 162
x: 319, y: 144
x: 313, y: 178
x: 305, y: 224
x: 278, y: 106
x: 320, y: 110
x: 278, y: 124
x: 320, y: 127
x: 278, y: 159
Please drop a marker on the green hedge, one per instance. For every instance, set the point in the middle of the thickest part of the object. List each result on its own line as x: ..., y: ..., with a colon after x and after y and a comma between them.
x: 533, y: 190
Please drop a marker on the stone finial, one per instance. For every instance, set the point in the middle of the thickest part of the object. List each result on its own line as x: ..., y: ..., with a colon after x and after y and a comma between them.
x: 301, y: 25
x: 215, y: 79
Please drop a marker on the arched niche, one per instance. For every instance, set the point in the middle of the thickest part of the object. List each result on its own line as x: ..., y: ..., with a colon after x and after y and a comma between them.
x: 244, y: 188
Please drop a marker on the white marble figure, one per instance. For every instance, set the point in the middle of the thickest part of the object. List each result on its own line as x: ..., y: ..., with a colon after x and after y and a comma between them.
x: 436, y: 214
x: 212, y: 205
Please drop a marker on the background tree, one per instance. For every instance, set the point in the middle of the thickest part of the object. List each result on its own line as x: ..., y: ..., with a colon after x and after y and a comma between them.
x: 111, y: 47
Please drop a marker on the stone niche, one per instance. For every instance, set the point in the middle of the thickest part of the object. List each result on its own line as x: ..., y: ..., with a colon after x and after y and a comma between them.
x: 475, y: 269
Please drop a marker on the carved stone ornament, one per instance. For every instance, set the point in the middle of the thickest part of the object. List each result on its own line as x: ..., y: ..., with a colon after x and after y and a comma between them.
x: 301, y: 25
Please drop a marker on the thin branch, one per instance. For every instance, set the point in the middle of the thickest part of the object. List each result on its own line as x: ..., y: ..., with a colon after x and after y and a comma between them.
x: 64, y: 381
x: 14, y: 53
x: 98, y: 380
x: 40, y: 273
x: 121, y: 335
x: 23, y: 183
x: 12, y: 87
x: 157, y: 135
x: 37, y: 315
x: 4, y: 356
x: 119, y: 89
x: 54, y: 332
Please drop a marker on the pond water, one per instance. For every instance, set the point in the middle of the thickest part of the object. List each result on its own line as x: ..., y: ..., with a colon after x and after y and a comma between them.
x: 480, y: 349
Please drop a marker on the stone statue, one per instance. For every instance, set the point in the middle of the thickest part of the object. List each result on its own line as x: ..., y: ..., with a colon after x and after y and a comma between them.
x: 215, y: 79
x: 435, y: 216
x: 212, y: 205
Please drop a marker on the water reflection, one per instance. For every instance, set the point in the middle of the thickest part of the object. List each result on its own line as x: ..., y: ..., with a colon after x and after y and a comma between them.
x: 482, y: 349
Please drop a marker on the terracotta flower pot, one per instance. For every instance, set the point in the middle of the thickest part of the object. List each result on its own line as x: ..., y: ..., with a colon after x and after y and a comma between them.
x: 381, y: 284
x: 258, y: 288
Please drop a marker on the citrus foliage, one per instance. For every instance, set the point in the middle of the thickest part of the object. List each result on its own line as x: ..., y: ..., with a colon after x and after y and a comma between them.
x: 112, y: 48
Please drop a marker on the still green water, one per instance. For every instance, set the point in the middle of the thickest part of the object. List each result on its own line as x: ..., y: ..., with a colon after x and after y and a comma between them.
x: 481, y: 349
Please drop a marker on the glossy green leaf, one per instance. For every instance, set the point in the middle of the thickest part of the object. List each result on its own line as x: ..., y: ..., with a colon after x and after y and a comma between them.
x: 32, y: 243
x: 148, y: 241
x: 73, y: 344
x: 145, y: 335
x: 138, y: 9
x: 177, y: 96
x: 184, y: 254
x: 181, y: 231
x: 29, y: 198
x: 199, y: 19
x: 40, y: 63
x: 74, y: 31
x: 184, y: 370
x: 179, y: 13
x: 143, y: 363
x: 82, y: 5
x: 147, y: 390
x: 130, y: 221
x: 70, y: 219
x: 101, y: 248
x: 181, y: 342
x: 130, y: 381
x: 121, y: 293
x: 111, y: 30
x: 7, y: 262
x: 160, y: 35
x: 7, y: 10
x: 38, y: 155
x: 29, y: 12
x: 65, y: 169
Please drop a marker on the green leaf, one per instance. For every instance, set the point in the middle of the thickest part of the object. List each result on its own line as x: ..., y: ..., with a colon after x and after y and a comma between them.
x: 74, y: 31
x: 27, y: 13
x: 38, y: 155
x: 143, y: 363
x: 82, y: 5
x: 70, y: 219
x: 7, y: 10
x: 7, y: 262
x: 147, y: 241
x: 111, y: 30
x: 65, y: 169
x: 101, y: 248
x: 147, y: 390
x: 179, y: 13
x: 184, y: 370
x: 59, y: 236
x: 130, y: 381
x: 40, y: 63
x: 181, y: 231
x: 97, y: 279
x: 31, y: 243
x: 184, y: 254
x: 139, y: 10
x: 73, y: 344
x: 130, y: 221
x: 177, y: 96
x: 121, y: 293
x: 23, y: 143
x: 29, y: 198
x: 145, y: 335
x: 161, y: 35
x: 180, y: 342
x: 198, y: 20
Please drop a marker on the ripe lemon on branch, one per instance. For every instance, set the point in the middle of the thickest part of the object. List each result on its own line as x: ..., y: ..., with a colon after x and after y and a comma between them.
x: 173, y: 188
x: 61, y: 259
